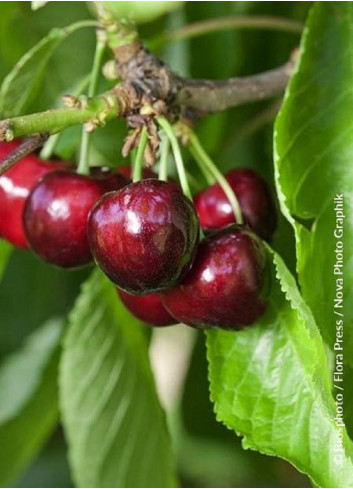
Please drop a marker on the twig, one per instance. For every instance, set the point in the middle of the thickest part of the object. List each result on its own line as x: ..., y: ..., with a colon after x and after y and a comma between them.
x: 55, y: 120
x: 220, y: 24
x: 213, y: 96
x: 28, y: 146
x: 147, y: 80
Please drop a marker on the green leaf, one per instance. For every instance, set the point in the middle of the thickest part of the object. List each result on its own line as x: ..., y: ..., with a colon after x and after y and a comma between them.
x: 5, y: 251
x: 28, y: 400
x: 112, y: 418
x: 314, y: 160
x: 269, y: 383
x: 20, y: 87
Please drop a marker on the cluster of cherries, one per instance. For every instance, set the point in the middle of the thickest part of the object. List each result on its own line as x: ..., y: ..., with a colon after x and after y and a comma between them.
x: 145, y: 236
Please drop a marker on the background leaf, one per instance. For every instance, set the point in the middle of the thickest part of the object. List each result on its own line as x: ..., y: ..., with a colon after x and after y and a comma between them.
x: 28, y: 400
x: 27, y: 298
x: 21, y: 85
x: 314, y: 160
x: 113, y: 421
x: 269, y: 383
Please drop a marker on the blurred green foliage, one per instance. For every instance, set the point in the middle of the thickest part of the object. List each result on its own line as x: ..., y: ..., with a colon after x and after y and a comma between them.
x: 31, y: 292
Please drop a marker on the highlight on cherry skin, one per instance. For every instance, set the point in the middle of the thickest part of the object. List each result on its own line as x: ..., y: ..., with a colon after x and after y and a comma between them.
x: 148, y: 308
x: 144, y: 237
x: 254, y: 197
x: 56, y: 213
x: 15, y: 186
x: 227, y: 284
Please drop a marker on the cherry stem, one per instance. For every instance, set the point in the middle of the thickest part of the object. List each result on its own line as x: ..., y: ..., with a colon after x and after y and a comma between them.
x: 163, y: 164
x: 137, y: 169
x: 210, y: 179
x: 49, y: 146
x: 204, y: 160
x: 83, y: 164
x: 177, y: 155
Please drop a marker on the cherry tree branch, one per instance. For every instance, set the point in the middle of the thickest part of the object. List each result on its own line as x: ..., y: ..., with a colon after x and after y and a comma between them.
x: 146, y: 80
x: 213, y: 96
x: 55, y: 120
x: 27, y: 147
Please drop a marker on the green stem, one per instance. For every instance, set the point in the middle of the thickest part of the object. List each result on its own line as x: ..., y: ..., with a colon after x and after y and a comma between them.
x: 119, y: 33
x: 137, y: 169
x: 48, y: 148
x: 195, y: 183
x: 177, y: 155
x: 56, y: 120
x: 163, y: 164
x: 203, y: 159
x: 79, y: 25
x: 220, y: 24
x: 210, y: 179
x: 83, y: 165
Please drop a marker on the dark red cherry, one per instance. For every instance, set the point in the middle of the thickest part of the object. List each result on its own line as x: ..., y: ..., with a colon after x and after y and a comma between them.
x: 127, y: 172
x: 148, y: 308
x: 15, y: 185
x: 255, y: 200
x: 55, y: 218
x: 226, y: 284
x: 144, y: 236
x: 108, y: 178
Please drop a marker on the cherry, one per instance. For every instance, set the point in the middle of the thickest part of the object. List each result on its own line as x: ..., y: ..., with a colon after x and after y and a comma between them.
x: 15, y: 185
x: 148, y: 308
x: 226, y: 284
x: 255, y: 200
x: 144, y: 236
x: 55, y: 217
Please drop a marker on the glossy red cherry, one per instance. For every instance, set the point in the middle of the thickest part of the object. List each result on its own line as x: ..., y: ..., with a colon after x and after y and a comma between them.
x: 144, y: 236
x: 225, y: 285
x: 55, y: 218
x: 15, y: 185
x: 255, y: 200
x: 148, y: 308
